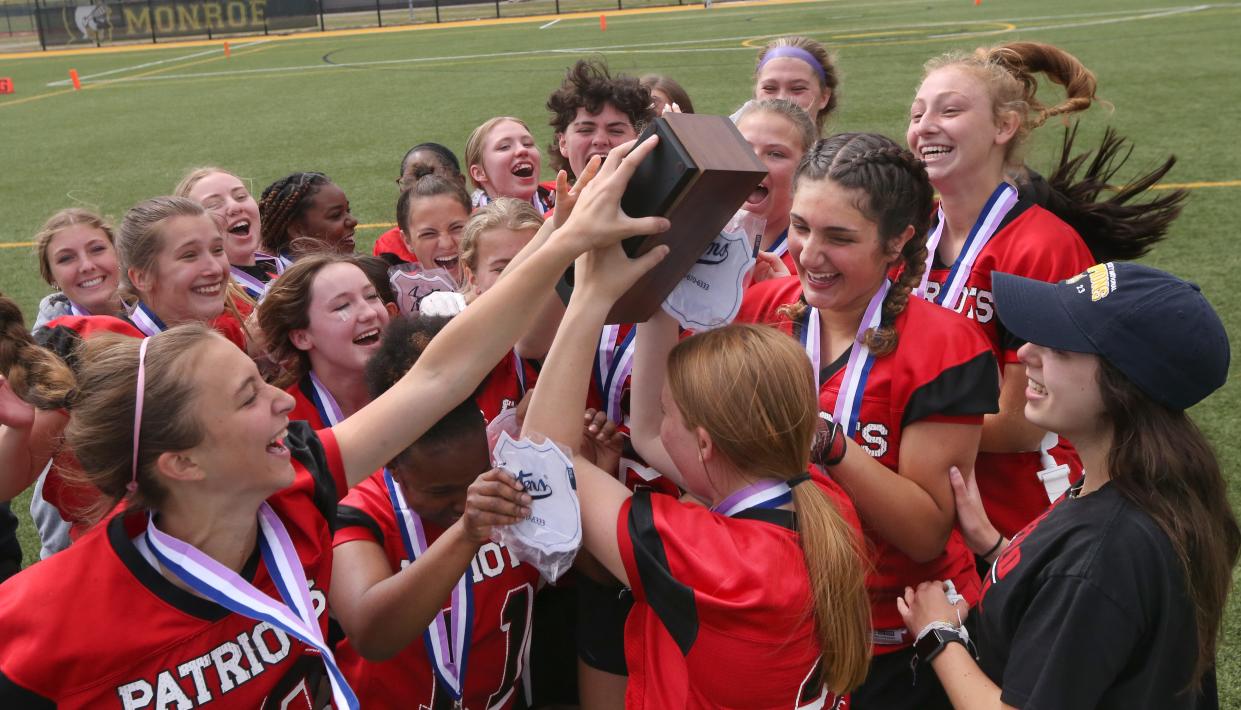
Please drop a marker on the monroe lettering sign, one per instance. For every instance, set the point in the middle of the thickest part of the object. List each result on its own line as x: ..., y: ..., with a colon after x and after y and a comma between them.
x: 101, y: 22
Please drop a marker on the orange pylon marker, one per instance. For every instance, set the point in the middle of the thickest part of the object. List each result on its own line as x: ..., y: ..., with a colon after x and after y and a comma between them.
x: 73, y: 76
x: 228, y: 52
x: 603, y: 23
x: 977, y: 2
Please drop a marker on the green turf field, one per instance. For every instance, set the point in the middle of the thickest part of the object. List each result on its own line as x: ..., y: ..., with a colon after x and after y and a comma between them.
x: 351, y: 105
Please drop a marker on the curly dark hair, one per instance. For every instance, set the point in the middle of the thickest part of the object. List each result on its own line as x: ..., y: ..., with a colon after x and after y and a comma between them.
x: 588, y: 85
x: 404, y: 341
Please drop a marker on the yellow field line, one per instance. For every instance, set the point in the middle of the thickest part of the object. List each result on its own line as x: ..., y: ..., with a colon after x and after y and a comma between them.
x: 1194, y: 185
x: 389, y: 225
x: 398, y: 28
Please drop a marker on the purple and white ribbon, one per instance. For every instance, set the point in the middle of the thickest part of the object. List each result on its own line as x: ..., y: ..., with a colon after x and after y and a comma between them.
x: 325, y: 403
x: 145, y: 320
x: 76, y: 310
x: 849, y: 399
x: 1001, y: 202
x: 295, y: 616
x: 614, y: 363
x: 252, y: 285
x: 449, y: 648
x: 761, y: 494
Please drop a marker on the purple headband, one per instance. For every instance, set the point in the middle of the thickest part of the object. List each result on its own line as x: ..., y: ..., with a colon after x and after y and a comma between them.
x: 142, y: 380
x: 787, y: 52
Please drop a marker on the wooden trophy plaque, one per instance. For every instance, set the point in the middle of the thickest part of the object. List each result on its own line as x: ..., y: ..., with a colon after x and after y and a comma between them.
x: 698, y: 176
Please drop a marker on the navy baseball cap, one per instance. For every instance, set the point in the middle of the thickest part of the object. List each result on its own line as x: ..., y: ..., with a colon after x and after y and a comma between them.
x: 1158, y: 330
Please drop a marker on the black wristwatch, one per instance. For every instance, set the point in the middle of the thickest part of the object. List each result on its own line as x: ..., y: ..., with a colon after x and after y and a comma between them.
x: 936, y: 640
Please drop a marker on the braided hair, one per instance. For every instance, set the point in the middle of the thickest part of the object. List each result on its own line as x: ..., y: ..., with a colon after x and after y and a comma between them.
x: 283, y: 202
x: 37, y: 375
x: 898, y: 195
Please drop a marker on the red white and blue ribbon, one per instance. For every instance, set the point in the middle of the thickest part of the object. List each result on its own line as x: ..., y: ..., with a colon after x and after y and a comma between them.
x: 325, y: 403
x: 761, y: 494
x: 1001, y: 202
x: 849, y: 399
x: 251, y: 284
x: 448, y: 647
x: 145, y: 320
x: 295, y: 616
x: 780, y: 247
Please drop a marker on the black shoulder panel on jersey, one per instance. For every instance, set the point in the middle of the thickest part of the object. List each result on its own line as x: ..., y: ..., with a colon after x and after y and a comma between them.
x: 1008, y: 341
x: 15, y: 697
x: 304, y: 445
x: 973, y: 387
x: 150, y: 578
x: 775, y: 516
x: 348, y: 516
x: 671, y: 600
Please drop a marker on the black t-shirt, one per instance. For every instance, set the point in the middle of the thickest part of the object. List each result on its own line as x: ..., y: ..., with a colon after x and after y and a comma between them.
x: 1087, y: 608
x: 10, y: 548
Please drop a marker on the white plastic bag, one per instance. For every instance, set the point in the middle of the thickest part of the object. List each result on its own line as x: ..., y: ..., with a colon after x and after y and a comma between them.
x: 550, y: 537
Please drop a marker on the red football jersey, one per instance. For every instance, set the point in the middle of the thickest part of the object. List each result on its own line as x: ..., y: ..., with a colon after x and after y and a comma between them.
x: 942, y: 370
x: 1034, y: 243
x: 722, y: 608
x: 304, y: 409
x: 392, y: 242
x: 503, y: 602
x: 505, y: 386
x: 97, y: 626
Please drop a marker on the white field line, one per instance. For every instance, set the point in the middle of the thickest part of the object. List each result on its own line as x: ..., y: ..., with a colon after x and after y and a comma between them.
x: 1091, y: 23
x: 145, y: 65
x: 662, y: 47
x: 549, y: 24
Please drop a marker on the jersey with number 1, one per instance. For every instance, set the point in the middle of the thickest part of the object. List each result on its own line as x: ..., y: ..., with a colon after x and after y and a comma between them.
x: 503, y: 594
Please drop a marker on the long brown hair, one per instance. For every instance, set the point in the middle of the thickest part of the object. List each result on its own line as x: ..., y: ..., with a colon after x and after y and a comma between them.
x: 751, y: 388
x: 286, y: 308
x: 1160, y: 461
x: 1010, y: 73
x: 101, y: 431
x: 1111, y: 228
x: 38, y: 376
x: 898, y: 195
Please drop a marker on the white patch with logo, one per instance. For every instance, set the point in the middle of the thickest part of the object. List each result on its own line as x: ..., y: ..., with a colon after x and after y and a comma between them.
x: 710, y: 294
x: 550, y: 537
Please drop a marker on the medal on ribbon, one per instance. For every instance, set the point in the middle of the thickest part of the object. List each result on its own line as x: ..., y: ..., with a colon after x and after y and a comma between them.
x: 849, y: 399
x: 447, y: 639
x: 325, y: 403
x: 999, y: 204
x: 295, y: 616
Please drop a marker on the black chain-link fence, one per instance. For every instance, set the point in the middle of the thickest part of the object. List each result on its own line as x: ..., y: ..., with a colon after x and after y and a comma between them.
x: 54, y: 24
